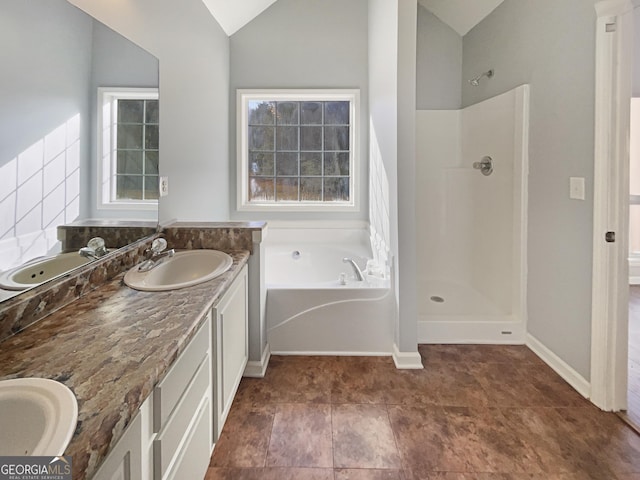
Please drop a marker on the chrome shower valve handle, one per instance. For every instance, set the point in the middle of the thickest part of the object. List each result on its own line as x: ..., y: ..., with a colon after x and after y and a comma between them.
x: 485, y: 165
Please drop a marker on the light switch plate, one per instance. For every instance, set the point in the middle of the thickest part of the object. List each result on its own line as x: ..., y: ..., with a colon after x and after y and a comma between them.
x: 576, y: 188
x: 164, y: 186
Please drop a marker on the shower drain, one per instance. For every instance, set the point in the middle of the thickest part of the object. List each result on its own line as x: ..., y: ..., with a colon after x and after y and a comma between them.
x: 437, y: 299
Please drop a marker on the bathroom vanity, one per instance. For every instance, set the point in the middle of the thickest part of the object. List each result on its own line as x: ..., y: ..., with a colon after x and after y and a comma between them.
x: 154, y: 372
x: 174, y: 432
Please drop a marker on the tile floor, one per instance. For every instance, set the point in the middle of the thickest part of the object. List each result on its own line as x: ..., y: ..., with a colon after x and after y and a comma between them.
x: 473, y: 413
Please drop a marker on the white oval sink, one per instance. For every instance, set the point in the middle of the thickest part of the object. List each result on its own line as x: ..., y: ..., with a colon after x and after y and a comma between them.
x: 40, y: 270
x: 37, y: 417
x: 184, y: 269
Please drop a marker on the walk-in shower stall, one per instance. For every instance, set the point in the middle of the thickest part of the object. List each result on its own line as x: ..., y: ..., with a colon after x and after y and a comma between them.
x: 472, y: 200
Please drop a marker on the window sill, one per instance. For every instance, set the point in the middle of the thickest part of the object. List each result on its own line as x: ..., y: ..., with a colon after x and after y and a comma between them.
x: 128, y: 206
x: 290, y: 207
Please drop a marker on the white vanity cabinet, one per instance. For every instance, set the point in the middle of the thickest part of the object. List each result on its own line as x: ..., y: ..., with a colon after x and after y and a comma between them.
x: 182, y: 413
x: 173, y: 434
x: 230, y: 344
x: 125, y: 461
x: 170, y: 437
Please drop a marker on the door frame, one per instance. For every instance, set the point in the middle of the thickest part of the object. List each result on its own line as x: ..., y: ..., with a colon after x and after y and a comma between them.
x: 609, y: 315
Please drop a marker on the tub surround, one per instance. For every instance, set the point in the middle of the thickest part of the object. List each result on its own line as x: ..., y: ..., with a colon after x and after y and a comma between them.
x: 111, y: 347
x: 314, y: 305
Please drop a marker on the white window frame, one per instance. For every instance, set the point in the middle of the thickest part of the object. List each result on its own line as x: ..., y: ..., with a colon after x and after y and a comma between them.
x: 244, y: 96
x: 106, y: 152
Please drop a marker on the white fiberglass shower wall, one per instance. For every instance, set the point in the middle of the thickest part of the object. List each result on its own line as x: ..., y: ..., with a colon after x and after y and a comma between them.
x: 471, y: 226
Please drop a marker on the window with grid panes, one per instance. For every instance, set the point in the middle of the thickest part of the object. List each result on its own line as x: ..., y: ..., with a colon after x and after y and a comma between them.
x: 130, y: 147
x: 298, y: 149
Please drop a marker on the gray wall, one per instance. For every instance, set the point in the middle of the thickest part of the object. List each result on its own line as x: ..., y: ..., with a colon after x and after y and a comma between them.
x: 116, y: 62
x: 310, y: 44
x: 46, y: 65
x: 550, y: 45
x: 407, y: 234
x: 439, y: 64
x: 59, y: 56
x: 392, y: 99
x: 193, y: 52
x: 383, y: 105
x: 46, y: 62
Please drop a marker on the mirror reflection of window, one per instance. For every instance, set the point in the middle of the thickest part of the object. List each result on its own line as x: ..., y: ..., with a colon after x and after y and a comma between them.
x: 136, y: 147
x: 128, y: 163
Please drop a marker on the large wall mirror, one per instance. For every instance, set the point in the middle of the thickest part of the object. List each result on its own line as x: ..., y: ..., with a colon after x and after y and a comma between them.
x: 55, y: 166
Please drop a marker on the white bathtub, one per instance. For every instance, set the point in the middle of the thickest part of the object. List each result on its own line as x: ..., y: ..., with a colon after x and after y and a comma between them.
x: 309, y: 311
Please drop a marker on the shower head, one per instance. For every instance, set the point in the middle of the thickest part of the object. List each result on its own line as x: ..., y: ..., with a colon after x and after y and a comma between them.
x: 476, y: 81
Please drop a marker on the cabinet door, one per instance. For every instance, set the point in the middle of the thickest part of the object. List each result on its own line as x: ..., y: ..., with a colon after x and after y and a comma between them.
x: 124, y: 462
x: 232, y: 347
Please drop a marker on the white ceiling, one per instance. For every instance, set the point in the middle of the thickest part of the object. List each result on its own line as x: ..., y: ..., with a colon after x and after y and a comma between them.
x: 461, y: 15
x: 232, y: 15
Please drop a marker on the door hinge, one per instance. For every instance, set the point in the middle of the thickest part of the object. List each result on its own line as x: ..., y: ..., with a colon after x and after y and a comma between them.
x: 610, y: 237
x: 610, y: 27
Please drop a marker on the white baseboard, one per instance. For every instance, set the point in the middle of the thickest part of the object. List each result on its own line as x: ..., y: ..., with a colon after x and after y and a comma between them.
x: 257, y: 369
x: 407, y: 360
x: 573, y: 378
x: 461, y: 329
x: 329, y: 353
x: 634, y: 280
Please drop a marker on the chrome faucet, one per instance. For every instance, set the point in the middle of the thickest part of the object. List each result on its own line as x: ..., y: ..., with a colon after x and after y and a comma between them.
x: 156, y: 254
x: 356, y: 269
x: 95, y: 249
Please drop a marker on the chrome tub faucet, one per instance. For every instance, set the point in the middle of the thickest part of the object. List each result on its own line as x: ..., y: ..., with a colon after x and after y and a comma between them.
x: 356, y: 269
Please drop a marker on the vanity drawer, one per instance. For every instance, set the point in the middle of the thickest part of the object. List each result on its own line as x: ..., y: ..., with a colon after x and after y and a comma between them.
x: 167, y: 393
x: 169, y: 440
x: 194, y: 459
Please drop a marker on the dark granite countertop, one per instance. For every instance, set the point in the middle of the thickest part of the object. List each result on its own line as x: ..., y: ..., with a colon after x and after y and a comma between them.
x: 111, y: 347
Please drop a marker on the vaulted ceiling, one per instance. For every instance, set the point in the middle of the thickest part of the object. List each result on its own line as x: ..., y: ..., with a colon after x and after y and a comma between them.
x: 461, y: 15
x: 232, y: 15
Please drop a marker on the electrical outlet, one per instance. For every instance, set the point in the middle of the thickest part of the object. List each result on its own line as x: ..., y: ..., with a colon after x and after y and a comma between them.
x: 164, y: 186
x: 576, y: 188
